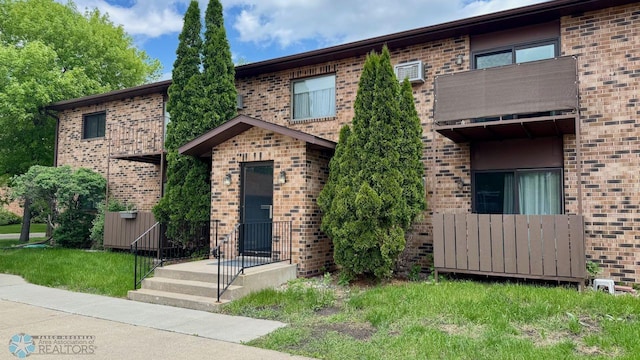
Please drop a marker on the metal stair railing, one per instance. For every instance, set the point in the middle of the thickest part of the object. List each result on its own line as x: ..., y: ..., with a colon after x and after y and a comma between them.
x: 145, y: 244
x: 152, y: 249
x: 249, y: 245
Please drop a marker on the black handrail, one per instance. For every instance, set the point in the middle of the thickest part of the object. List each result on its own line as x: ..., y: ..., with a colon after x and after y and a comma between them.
x: 249, y: 245
x: 153, y: 249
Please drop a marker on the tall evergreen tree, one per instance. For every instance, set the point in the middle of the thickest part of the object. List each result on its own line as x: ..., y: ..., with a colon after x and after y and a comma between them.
x: 366, y: 209
x: 185, y: 89
x: 411, y: 154
x: 218, y: 75
x: 185, y: 207
x: 198, y: 102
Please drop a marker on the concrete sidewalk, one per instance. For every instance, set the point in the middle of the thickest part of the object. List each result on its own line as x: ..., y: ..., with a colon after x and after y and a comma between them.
x: 126, y: 329
x: 17, y: 236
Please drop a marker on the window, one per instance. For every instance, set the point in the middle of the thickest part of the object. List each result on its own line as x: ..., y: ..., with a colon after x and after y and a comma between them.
x: 93, y: 125
x: 530, y: 192
x: 314, y: 98
x: 516, y: 54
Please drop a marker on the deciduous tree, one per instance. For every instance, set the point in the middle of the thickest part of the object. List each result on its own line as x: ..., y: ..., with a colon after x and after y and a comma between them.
x: 51, y: 52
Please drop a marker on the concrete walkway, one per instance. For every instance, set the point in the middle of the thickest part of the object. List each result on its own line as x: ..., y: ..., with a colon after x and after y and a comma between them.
x: 125, y: 329
x: 17, y: 236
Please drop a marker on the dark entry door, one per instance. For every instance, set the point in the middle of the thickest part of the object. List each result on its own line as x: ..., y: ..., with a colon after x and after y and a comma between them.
x: 256, y: 208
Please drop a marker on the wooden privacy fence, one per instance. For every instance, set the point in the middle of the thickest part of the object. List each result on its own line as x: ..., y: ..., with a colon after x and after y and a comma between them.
x: 525, y: 246
x: 119, y: 233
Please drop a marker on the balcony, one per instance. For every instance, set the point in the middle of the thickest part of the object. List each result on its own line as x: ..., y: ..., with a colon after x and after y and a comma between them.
x: 139, y: 140
x: 547, y: 247
x: 528, y: 100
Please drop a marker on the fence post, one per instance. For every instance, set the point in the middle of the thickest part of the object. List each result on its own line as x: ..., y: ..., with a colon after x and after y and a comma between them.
x: 134, y: 249
x: 290, y: 242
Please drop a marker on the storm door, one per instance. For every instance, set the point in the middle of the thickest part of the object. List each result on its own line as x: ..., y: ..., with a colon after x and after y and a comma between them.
x: 256, y: 208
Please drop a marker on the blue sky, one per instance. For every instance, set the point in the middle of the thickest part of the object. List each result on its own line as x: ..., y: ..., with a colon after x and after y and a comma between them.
x: 266, y: 29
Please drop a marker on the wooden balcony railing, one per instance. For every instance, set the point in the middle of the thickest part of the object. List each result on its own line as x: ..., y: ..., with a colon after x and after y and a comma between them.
x: 534, y: 99
x: 547, y: 247
x: 138, y: 140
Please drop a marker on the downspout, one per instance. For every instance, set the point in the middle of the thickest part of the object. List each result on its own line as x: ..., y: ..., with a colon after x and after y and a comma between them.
x: 578, y: 142
x: 55, y: 146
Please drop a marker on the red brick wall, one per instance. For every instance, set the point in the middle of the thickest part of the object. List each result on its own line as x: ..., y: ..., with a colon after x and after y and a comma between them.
x: 131, y: 182
x: 13, y: 206
x: 607, y: 44
x: 293, y: 201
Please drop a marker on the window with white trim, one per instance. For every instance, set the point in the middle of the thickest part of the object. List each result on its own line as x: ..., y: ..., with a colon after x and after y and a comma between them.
x: 314, y: 98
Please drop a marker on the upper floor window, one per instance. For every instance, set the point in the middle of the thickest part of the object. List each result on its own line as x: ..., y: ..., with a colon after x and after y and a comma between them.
x: 314, y: 98
x: 516, y: 54
x: 93, y: 125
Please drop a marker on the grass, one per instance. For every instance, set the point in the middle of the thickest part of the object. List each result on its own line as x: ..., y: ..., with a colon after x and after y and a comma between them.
x: 105, y: 273
x: 15, y: 228
x: 448, y: 320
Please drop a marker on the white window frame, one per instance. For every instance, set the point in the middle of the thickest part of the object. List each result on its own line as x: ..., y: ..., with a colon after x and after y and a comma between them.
x: 310, y: 112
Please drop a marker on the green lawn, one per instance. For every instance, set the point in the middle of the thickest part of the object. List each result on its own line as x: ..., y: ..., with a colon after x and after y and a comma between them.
x: 448, y: 320
x: 15, y: 228
x: 400, y: 320
x: 105, y: 273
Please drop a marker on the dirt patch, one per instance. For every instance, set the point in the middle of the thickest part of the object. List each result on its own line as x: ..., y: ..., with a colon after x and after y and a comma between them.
x: 358, y: 331
x: 328, y: 311
x: 545, y: 337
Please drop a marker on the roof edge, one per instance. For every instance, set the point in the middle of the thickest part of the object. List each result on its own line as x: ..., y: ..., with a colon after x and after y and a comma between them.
x: 146, y: 89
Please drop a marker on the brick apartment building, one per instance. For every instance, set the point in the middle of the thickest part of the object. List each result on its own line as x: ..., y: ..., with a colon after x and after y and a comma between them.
x: 530, y: 132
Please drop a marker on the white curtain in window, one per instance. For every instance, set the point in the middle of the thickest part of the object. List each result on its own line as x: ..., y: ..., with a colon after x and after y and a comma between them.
x: 539, y: 192
x: 314, y: 104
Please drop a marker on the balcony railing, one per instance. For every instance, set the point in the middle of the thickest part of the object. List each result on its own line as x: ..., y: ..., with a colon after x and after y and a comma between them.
x: 533, y: 99
x: 523, y: 246
x: 138, y: 139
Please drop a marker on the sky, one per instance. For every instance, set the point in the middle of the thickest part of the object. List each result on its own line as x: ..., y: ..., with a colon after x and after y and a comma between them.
x: 266, y: 29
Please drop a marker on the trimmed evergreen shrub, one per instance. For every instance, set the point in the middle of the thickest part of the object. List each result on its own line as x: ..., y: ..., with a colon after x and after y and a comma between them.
x: 374, y: 191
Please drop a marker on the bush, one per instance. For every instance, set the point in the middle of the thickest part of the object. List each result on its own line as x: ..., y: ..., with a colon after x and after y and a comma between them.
x: 74, y: 230
x: 97, y: 228
x: 8, y: 218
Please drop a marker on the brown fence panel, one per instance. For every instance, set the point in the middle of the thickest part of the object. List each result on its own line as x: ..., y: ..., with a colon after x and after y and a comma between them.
x: 510, y: 256
x: 578, y: 261
x: 119, y: 233
x: 438, y: 240
x: 449, y: 246
x: 473, y: 252
x: 549, y: 257
x: 461, y: 242
x: 522, y: 245
x: 528, y: 246
x: 497, y: 243
x: 562, y: 246
x: 535, y: 244
x: 484, y: 233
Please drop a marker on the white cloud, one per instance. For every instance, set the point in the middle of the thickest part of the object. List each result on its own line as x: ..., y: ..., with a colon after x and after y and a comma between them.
x: 286, y: 22
x: 145, y: 18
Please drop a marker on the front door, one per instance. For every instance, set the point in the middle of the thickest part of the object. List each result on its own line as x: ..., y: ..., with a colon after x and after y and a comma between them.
x: 256, y: 208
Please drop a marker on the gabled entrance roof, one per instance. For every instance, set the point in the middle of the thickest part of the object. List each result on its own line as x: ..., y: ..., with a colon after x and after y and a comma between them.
x: 202, y: 145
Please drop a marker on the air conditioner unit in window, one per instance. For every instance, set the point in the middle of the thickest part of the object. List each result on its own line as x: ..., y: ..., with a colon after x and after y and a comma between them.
x: 414, y: 71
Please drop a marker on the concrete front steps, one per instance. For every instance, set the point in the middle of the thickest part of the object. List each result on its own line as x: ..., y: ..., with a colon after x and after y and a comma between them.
x: 193, y: 285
